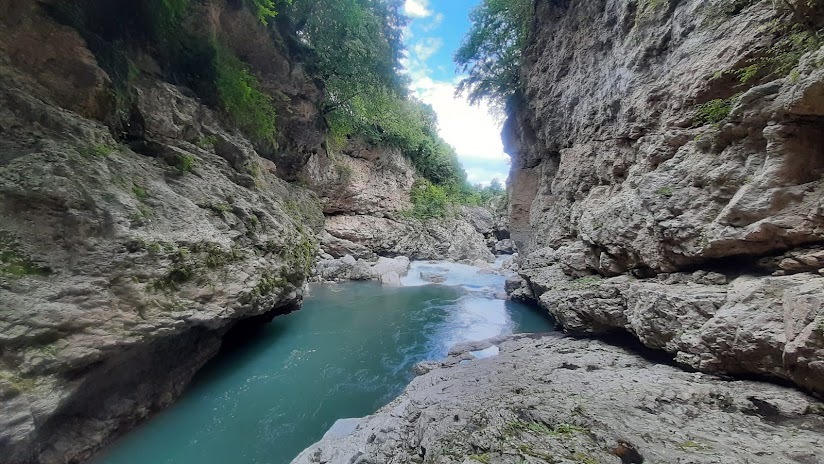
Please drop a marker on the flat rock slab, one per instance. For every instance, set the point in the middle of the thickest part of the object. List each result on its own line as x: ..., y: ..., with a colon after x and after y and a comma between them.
x: 562, y: 400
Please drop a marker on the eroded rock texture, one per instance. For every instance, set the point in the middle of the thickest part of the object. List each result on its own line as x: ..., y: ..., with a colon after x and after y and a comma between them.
x: 138, y: 225
x: 554, y: 399
x: 365, y: 236
x: 649, y: 143
x: 123, y: 262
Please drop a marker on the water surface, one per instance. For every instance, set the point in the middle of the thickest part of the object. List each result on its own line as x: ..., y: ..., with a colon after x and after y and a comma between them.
x: 346, y: 353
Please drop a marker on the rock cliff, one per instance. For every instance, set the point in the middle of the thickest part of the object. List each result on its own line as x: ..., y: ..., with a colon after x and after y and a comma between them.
x: 124, y: 260
x: 138, y: 225
x: 667, y: 178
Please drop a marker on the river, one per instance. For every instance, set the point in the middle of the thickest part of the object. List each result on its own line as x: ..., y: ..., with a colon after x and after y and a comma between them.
x: 346, y: 353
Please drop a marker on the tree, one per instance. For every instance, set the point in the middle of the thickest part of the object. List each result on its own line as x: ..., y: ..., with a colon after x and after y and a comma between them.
x: 491, y: 52
x: 355, y: 45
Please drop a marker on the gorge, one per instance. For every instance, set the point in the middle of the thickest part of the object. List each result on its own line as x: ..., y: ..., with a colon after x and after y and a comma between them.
x: 173, y: 173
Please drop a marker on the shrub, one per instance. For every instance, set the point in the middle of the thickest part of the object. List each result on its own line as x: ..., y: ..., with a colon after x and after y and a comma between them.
x: 184, y: 163
x: 428, y: 200
x: 715, y: 111
x: 241, y: 96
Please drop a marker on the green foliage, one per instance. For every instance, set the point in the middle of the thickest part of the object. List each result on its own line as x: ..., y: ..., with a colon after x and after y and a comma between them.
x: 264, y: 10
x: 355, y: 49
x: 483, y: 195
x: 300, y: 256
x: 584, y: 458
x: 181, y: 270
x: 747, y: 73
x: 184, y: 162
x: 795, y: 42
x: 166, y: 17
x: 187, y: 262
x: 221, y: 209
x: 101, y: 150
x: 535, y: 428
x: 429, y: 200
x: 355, y: 46
x: 795, y: 38
x: 268, y: 284
x: 432, y: 200
x: 241, y: 96
x: 344, y: 172
x: 385, y: 118
x: 139, y: 192
x: 214, y: 256
x: 207, y: 141
x: 715, y: 111
x: 142, y: 215
x: 491, y: 52
x: 567, y: 429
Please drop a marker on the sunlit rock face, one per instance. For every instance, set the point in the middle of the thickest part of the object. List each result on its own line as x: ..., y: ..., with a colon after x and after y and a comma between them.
x: 653, y: 139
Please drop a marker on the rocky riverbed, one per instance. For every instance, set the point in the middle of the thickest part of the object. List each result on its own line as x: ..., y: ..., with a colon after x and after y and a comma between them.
x: 550, y: 398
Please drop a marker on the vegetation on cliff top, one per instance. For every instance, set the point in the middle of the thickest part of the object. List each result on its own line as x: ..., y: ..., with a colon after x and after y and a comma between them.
x: 491, y: 51
x: 352, y: 47
x: 355, y: 49
x: 436, y: 201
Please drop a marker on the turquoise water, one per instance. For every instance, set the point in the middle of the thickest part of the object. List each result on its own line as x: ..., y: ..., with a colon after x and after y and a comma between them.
x: 346, y: 353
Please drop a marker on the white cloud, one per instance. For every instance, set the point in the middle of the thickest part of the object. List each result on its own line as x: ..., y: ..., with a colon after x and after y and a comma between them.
x: 426, y: 47
x: 471, y: 130
x: 484, y: 176
x: 436, y: 21
x: 417, y: 8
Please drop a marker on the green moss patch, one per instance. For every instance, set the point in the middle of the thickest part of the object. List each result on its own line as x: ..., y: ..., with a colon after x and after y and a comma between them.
x: 14, y: 262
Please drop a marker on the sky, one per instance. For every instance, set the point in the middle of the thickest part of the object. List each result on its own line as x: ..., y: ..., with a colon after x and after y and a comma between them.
x: 434, y: 33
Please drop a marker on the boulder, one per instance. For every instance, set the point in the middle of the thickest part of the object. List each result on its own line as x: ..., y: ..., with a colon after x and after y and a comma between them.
x: 504, y: 247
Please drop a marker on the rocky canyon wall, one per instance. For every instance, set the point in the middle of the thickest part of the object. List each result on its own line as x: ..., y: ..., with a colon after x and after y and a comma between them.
x: 127, y: 249
x: 668, y: 176
x: 138, y: 225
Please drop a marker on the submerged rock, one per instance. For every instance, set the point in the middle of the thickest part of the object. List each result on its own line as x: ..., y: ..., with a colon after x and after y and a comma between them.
x: 554, y: 399
x: 433, y: 277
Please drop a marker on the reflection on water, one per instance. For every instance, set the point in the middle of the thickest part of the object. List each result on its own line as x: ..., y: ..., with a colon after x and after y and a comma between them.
x: 346, y: 353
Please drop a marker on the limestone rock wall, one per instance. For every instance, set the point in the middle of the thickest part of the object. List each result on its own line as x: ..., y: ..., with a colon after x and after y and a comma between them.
x: 123, y: 261
x: 138, y: 225
x: 619, y: 170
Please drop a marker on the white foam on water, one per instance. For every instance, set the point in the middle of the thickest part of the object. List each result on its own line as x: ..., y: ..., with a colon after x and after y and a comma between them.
x: 472, y: 278
x: 478, y: 315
